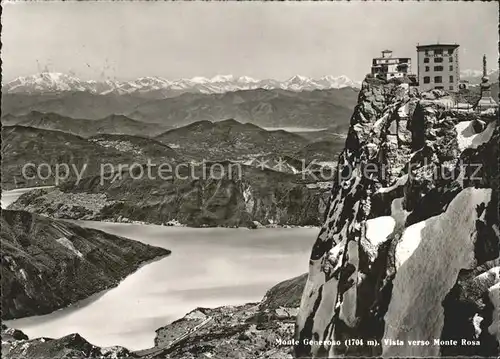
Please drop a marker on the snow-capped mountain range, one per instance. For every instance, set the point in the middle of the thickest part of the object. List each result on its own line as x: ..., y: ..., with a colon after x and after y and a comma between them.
x: 476, y: 73
x: 58, y: 82
x: 474, y: 76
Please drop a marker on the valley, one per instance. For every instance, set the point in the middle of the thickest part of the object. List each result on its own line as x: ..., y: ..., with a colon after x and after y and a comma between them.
x: 317, y: 108
x: 78, y: 181
x: 48, y: 264
x: 206, y: 268
x: 110, y: 125
x: 192, y: 180
x: 223, y: 173
x: 205, y: 289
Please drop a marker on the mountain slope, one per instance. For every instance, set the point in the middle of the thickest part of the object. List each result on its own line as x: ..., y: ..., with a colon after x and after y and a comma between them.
x: 122, y: 125
x: 229, y: 140
x: 266, y: 108
x: 221, y: 194
x: 141, y: 147
x: 113, y: 124
x: 48, y: 264
x: 50, y: 121
x: 409, y: 249
x: 45, y: 150
x: 38, y: 148
x: 70, y: 104
x: 320, y: 151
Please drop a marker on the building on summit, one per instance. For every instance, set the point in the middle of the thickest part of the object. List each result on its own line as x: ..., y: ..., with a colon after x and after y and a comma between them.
x: 438, y: 67
x: 388, y: 67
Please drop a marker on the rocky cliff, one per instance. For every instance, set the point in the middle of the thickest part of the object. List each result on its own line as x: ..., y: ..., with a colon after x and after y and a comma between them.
x: 407, y: 260
x: 16, y: 344
x: 230, y: 195
x: 48, y: 264
x: 252, y: 330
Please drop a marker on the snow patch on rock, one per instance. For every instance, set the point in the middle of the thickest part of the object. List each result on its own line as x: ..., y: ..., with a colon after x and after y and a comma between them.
x: 494, y: 328
x: 410, y: 241
x: 467, y: 138
x: 428, y: 260
x: 401, y: 181
x: 378, y: 229
x: 23, y: 274
x: 476, y: 322
x: 249, y: 202
x: 68, y: 244
x: 397, y: 210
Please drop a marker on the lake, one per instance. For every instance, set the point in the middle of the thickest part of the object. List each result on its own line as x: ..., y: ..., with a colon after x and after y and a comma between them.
x: 208, y: 267
x: 295, y: 129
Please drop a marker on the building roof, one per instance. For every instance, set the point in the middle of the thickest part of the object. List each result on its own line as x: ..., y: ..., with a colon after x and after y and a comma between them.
x: 392, y: 58
x: 433, y: 46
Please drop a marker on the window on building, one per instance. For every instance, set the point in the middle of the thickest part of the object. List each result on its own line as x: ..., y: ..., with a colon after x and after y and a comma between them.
x: 438, y: 79
x: 451, y: 88
x: 426, y: 52
x: 450, y: 59
x: 427, y: 79
x: 438, y: 52
x: 426, y: 60
x: 438, y: 59
x: 451, y: 78
x: 450, y: 51
x: 451, y: 67
x: 402, y: 68
x: 439, y: 87
x: 438, y: 68
x: 427, y: 68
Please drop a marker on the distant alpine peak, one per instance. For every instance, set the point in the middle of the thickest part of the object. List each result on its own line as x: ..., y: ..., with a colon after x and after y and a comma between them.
x: 48, y: 82
x: 222, y: 78
x: 475, y: 72
x: 299, y: 78
x: 247, y: 79
x: 474, y: 76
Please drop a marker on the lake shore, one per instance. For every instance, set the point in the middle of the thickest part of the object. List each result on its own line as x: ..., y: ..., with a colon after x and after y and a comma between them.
x: 208, y: 267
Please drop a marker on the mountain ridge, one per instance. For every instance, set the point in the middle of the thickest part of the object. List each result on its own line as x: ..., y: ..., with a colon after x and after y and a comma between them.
x: 59, y: 82
x: 48, y: 264
x: 112, y: 124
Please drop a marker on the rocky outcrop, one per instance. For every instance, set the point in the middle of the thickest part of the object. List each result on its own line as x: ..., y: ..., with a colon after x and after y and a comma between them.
x: 34, y: 157
x: 16, y: 344
x: 48, y: 264
x: 252, y: 330
x: 407, y: 260
x: 225, y: 194
x: 285, y: 294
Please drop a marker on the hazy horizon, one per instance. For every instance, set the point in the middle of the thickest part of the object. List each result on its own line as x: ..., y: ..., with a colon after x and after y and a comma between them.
x: 127, y: 40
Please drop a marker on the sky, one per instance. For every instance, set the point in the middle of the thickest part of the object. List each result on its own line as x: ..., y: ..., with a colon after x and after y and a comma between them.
x: 127, y: 40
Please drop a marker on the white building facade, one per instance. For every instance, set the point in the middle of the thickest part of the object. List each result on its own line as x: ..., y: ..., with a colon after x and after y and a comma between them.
x: 438, y: 67
x: 388, y: 67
